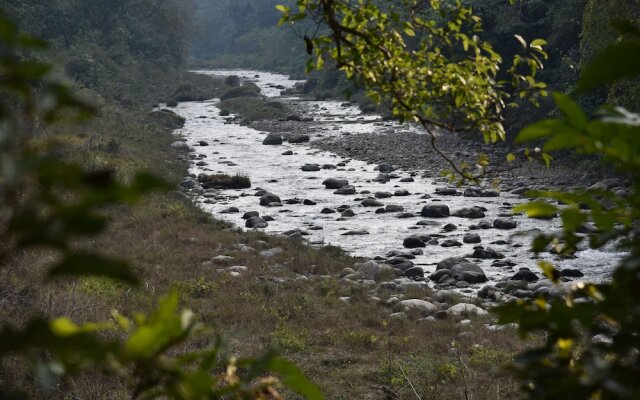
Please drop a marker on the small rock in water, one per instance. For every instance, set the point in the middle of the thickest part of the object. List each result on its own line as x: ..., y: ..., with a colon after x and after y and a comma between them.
x: 310, y: 167
x: 503, y: 223
x: 230, y: 210
x: 487, y: 254
x: 308, y: 202
x: 346, y: 190
x: 451, y: 243
x: 250, y: 214
x: 413, y: 242
x: 333, y: 183
x: 383, y: 195
x: 393, y: 208
x: 371, y: 203
x: 356, y: 233
x: 449, y: 228
x: 401, y: 193
x: 327, y: 211
x: 471, y: 238
x: 525, y: 274
x: 472, y: 212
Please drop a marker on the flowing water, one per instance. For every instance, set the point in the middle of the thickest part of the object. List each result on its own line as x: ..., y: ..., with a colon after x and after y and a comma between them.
x: 235, y: 149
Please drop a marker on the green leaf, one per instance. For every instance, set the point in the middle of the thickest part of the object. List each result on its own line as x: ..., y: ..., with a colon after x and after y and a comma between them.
x: 571, y: 110
x: 294, y: 379
x: 88, y: 264
x: 549, y: 271
x: 617, y: 62
x: 539, y: 130
x: 538, y: 209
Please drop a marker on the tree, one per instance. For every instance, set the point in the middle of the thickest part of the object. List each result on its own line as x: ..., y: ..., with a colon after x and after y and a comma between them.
x: 426, y: 60
x: 592, y: 331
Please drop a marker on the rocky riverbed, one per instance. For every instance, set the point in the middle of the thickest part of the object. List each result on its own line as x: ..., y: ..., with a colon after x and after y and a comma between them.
x: 330, y: 174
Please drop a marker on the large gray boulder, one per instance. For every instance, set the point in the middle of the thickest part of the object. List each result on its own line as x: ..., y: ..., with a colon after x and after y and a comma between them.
x: 468, y: 272
x: 448, y: 263
x: 272, y: 139
x: 435, y: 211
x: 371, y: 270
x: 333, y: 183
x: 471, y: 212
x: 422, y: 306
x: 269, y: 198
x: 256, y: 222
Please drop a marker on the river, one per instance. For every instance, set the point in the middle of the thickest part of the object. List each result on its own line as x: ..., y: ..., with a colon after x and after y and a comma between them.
x: 235, y: 149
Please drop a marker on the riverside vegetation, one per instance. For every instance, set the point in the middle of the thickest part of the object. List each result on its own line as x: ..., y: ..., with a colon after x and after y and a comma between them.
x: 289, y: 300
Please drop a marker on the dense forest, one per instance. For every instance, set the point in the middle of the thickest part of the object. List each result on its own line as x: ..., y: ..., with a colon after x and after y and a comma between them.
x: 117, y: 281
x: 575, y: 31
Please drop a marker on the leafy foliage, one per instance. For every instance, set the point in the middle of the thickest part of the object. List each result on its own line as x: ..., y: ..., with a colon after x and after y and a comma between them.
x: 593, y: 330
x: 426, y: 59
x: 49, y: 204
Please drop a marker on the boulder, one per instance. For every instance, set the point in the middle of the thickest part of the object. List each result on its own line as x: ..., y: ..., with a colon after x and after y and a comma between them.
x: 448, y: 263
x: 451, y: 243
x: 386, y: 168
x: 503, y: 223
x: 435, y: 211
x: 393, y: 208
x: 272, y: 139
x: 468, y: 272
x: 348, y: 213
x: 487, y: 254
x: 383, y: 195
x: 466, y: 309
x: 371, y: 203
x: 412, y: 242
x: 471, y: 238
x: 371, y: 270
x: 419, y: 305
x: 346, y: 190
x: 179, y: 145
x: 250, y: 214
x: 414, y: 273
x: 471, y: 212
x: 269, y: 198
x: 310, y: 167
x: 525, y: 274
x: 382, y: 178
x: 333, y: 183
x: 256, y: 222
x: 298, y: 138
x: 449, y: 228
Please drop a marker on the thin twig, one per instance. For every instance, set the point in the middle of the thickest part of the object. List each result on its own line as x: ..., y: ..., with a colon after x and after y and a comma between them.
x: 409, y: 381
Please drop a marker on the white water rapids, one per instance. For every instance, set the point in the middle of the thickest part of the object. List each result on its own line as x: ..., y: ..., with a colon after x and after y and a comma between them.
x: 235, y: 149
